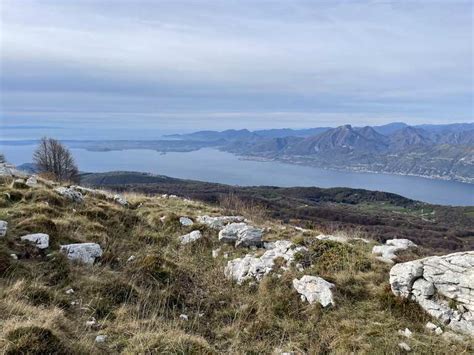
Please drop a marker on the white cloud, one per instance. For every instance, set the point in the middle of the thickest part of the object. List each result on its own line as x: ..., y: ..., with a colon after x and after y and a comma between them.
x: 292, y: 55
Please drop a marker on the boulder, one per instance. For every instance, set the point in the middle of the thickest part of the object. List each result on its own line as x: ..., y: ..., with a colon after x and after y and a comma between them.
x: 387, y: 252
x: 241, y: 234
x: 315, y: 289
x: 190, y: 237
x: 252, y: 267
x: 120, y: 200
x: 3, y: 228
x: 450, y: 276
x: 40, y: 240
x: 20, y: 184
x: 70, y: 193
x: 82, y: 252
x: 220, y: 221
x: 32, y: 181
x: 185, y: 221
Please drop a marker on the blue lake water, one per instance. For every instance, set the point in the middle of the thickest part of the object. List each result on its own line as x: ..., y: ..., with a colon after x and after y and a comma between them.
x: 215, y: 166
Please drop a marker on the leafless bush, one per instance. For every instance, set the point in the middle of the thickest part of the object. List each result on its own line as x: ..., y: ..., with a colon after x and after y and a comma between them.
x: 51, y: 157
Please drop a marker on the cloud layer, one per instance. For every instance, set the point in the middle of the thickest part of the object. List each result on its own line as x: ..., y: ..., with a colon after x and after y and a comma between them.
x: 237, y: 63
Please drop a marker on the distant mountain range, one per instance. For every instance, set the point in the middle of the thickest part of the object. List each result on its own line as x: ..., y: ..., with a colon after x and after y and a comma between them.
x: 435, y: 151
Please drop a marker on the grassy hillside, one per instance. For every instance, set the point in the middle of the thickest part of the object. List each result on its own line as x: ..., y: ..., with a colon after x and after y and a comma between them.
x: 139, y: 304
x: 380, y: 215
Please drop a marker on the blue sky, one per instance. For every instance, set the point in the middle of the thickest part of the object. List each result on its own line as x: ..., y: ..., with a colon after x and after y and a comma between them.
x: 234, y: 64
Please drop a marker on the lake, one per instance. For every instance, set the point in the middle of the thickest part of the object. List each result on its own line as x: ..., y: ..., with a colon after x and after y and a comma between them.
x: 216, y: 166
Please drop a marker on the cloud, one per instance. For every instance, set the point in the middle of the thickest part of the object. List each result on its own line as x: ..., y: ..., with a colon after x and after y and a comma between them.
x: 378, y: 58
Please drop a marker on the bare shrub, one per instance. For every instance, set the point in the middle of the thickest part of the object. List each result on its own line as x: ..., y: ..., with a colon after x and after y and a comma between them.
x: 54, y: 159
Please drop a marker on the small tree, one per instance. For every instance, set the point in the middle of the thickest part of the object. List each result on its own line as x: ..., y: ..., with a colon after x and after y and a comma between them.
x: 2, y: 158
x: 54, y: 158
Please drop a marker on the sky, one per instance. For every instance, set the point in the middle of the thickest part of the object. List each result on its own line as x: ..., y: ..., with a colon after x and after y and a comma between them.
x: 205, y: 64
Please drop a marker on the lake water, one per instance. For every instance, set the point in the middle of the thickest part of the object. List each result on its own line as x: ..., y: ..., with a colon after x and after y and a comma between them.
x: 215, y: 166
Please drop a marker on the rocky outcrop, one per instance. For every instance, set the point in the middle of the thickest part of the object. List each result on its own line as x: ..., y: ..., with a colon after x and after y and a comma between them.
x: 437, y: 283
x: 9, y: 171
x: 387, y: 252
x: 3, y: 228
x: 40, y: 240
x: 220, y: 221
x: 314, y: 289
x: 190, y: 237
x: 70, y: 194
x: 241, y: 234
x: 101, y: 194
x: 85, y: 253
x: 185, y: 221
x: 252, y: 267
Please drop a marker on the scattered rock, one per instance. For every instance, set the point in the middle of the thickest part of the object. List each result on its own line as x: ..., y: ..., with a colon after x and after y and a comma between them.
x: 14, y: 256
x: 219, y: 222
x: 3, y: 228
x: 99, y: 339
x: 404, y: 346
x: 82, y: 252
x: 92, y: 323
x: 69, y: 291
x: 241, y: 234
x: 9, y: 171
x: 190, y: 237
x: 19, y: 184
x: 407, y: 333
x: 183, y: 317
x: 131, y: 258
x: 387, y: 251
x: 40, y: 240
x: 70, y: 193
x: 32, y: 181
x: 120, y: 200
x: 185, y: 221
x: 215, y: 252
x: 438, y: 331
x: 250, y: 267
x: 450, y: 276
x: 315, y: 289
x: 431, y: 326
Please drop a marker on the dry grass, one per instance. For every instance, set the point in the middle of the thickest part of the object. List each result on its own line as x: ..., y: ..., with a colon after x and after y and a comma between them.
x: 138, y: 304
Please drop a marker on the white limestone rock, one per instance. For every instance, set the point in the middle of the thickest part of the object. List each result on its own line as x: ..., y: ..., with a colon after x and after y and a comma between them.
x: 186, y: 221
x: 40, y: 240
x: 404, y: 346
x: 252, y: 267
x: 190, y: 237
x: 82, y: 252
x: 407, y: 333
x: 70, y: 194
x: 120, y: 200
x: 3, y: 228
x: 450, y: 276
x: 241, y: 234
x: 391, y: 246
x: 32, y: 181
x: 220, y: 221
x: 315, y: 289
x: 99, y: 339
x: 9, y: 171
